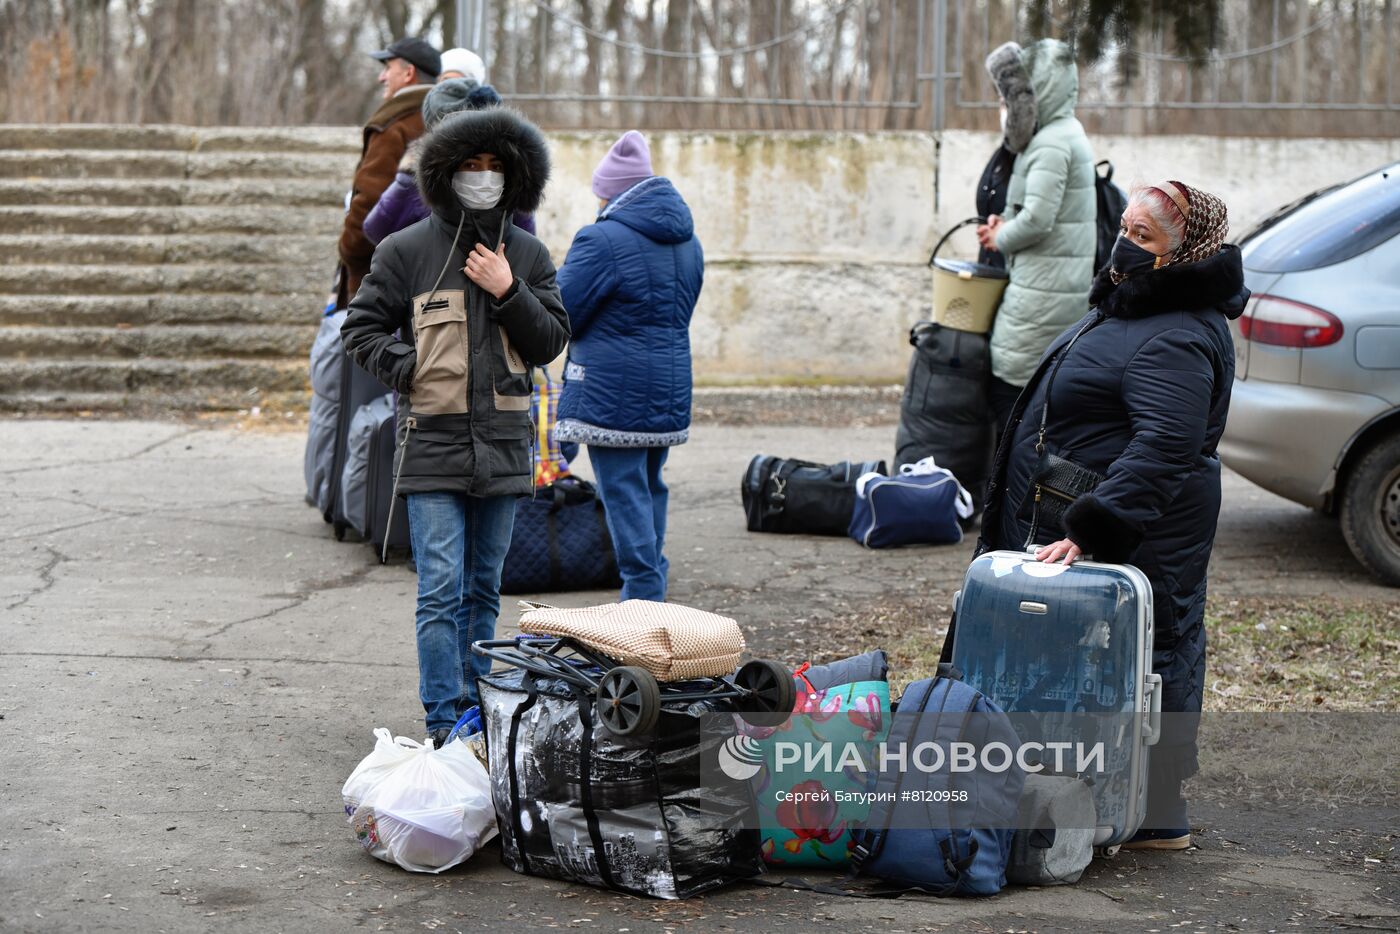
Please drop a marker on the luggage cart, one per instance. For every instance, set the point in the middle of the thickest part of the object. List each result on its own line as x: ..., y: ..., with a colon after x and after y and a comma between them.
x: 628, y: 699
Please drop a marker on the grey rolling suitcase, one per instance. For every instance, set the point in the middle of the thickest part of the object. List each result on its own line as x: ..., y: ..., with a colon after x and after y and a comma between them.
x: 359, y: 457
x: 1067, y: 652
x: 380, y: 508
x: 357, y: 387
x: 327, y: 357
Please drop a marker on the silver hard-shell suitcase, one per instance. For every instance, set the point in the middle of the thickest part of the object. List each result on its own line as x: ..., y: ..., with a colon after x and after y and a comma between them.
x: 1071, y: 648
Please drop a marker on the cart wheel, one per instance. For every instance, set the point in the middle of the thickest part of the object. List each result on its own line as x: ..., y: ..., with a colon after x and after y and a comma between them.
x: 628, y: 700
x: 771, y: 692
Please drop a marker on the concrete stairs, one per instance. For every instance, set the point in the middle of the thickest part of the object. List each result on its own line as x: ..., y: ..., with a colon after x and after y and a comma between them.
x: 150, y: 269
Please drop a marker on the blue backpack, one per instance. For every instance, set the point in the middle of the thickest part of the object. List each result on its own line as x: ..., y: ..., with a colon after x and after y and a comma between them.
x: 934, y: 857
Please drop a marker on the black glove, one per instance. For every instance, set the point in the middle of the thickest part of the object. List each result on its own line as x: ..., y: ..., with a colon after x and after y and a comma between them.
x: 401, y: 375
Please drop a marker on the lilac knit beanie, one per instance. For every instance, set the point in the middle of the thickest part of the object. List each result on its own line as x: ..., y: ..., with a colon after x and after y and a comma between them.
x: 627, y: 163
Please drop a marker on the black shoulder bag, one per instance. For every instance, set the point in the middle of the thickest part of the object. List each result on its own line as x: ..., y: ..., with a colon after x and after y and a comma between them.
x: 1057, y: 481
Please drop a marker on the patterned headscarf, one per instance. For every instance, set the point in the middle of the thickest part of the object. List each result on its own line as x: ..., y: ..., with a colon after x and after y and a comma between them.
x: 1206, y: 224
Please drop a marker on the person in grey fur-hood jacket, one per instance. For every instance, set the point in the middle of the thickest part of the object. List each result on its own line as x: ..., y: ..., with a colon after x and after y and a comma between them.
x: 1047, y: 229
x: 453, y: 313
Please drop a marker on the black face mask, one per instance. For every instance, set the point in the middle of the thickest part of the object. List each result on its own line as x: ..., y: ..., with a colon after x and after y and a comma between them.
x: 1129, y: 259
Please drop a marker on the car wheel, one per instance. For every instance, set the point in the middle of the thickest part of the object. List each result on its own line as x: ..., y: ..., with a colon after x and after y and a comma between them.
x: 1371, y: 510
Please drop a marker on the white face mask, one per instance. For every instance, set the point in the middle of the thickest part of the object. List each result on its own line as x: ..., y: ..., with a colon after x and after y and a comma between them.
x: 1003, y: 119
x: 479, y: 190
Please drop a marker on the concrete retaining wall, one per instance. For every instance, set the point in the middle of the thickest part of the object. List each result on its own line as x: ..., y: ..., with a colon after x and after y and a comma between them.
x: 815, y: 245
x: 812, y: 245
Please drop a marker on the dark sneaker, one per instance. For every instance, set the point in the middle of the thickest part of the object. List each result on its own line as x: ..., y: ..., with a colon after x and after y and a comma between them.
x: 1160, y: 840
x: 439, y: 736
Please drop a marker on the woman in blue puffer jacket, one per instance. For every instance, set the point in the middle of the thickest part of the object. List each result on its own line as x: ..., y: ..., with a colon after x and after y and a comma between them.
x: 630, y: 283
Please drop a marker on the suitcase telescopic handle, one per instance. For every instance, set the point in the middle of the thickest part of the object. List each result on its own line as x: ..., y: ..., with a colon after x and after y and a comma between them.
x: 1153, y: 729
x: 952, y: 230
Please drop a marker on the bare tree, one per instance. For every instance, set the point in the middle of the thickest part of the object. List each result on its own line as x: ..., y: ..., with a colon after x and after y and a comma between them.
x: 1212, y: 66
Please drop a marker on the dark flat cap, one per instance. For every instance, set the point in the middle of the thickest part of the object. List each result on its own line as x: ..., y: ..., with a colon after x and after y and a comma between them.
x: 416, y: 52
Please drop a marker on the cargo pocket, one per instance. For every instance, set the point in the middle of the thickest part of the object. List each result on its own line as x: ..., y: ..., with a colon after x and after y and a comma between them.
x: 439, y: 454
x: 510, y: 453
x: 441, y: 377
x: 512, y: 383
x: 514, y: 362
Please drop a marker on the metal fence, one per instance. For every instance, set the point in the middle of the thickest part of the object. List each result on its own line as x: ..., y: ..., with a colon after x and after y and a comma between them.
x: 1284, y: 67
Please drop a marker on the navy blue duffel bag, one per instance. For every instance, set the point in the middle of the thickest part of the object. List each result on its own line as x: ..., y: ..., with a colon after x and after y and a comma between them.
x: 923, y: 505
x: 560, y: 542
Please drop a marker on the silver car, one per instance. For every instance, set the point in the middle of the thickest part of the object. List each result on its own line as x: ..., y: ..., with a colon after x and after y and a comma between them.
x: 1315, y: 414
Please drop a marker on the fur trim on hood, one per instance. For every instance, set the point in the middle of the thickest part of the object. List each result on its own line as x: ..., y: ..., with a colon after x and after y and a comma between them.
x: 409, y: 162
x: 1014, y: 84
x: 1214, y: 283
x: 504, y: 133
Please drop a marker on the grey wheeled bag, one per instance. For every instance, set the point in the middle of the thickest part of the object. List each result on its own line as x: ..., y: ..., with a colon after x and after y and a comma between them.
x: 367, y: 480
x: 327, y: 359
x: 384, y: 519
x: 357, y: 387
x: 1066, y: 651
x: 359, y: 455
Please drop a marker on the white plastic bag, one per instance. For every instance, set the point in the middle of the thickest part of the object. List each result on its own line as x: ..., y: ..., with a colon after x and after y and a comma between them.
x: 388, y: 754
x: 425, y: 809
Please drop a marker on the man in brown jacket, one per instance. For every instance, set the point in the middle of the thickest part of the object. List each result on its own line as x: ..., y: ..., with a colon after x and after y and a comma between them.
x: 411, y: 66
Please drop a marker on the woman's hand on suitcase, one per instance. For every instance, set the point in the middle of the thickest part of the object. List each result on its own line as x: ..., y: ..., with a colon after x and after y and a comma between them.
x: 1064, y: 551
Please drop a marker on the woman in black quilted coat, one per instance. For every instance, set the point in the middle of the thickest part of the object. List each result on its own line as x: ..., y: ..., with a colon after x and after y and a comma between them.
x: 1140, y: 398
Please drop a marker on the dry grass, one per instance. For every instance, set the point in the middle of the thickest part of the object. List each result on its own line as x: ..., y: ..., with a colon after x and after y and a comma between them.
x: 1319, y: 654
x: 1291, y: 655
x: 1300, y: 761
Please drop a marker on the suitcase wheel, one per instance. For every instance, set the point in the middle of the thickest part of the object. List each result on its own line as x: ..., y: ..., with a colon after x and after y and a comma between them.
x: 628, y: 700
x: 769, y: 693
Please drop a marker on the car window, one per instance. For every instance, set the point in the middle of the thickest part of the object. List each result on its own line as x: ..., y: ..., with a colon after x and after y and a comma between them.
x: 1287, y: 210
x: 1330, y: 228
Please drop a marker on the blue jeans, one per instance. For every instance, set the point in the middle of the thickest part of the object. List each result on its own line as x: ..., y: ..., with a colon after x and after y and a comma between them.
x: 459, y: 544
x: 634, y: 497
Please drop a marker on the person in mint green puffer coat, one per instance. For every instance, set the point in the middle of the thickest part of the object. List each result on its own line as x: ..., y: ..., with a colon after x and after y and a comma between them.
x: 1047, y: 232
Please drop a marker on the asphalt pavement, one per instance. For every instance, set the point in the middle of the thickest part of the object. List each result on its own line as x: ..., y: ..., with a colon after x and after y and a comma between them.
x: 190, y: 666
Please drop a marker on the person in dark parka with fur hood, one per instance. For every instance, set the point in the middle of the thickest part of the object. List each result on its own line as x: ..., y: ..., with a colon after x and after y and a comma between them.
x: 1140, y: 398
x: 454, y: 311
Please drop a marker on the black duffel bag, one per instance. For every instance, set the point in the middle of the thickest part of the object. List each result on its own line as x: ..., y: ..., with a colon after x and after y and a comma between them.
x: 800, y: 497
x: 944, y: 412
x: 560, y: 542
